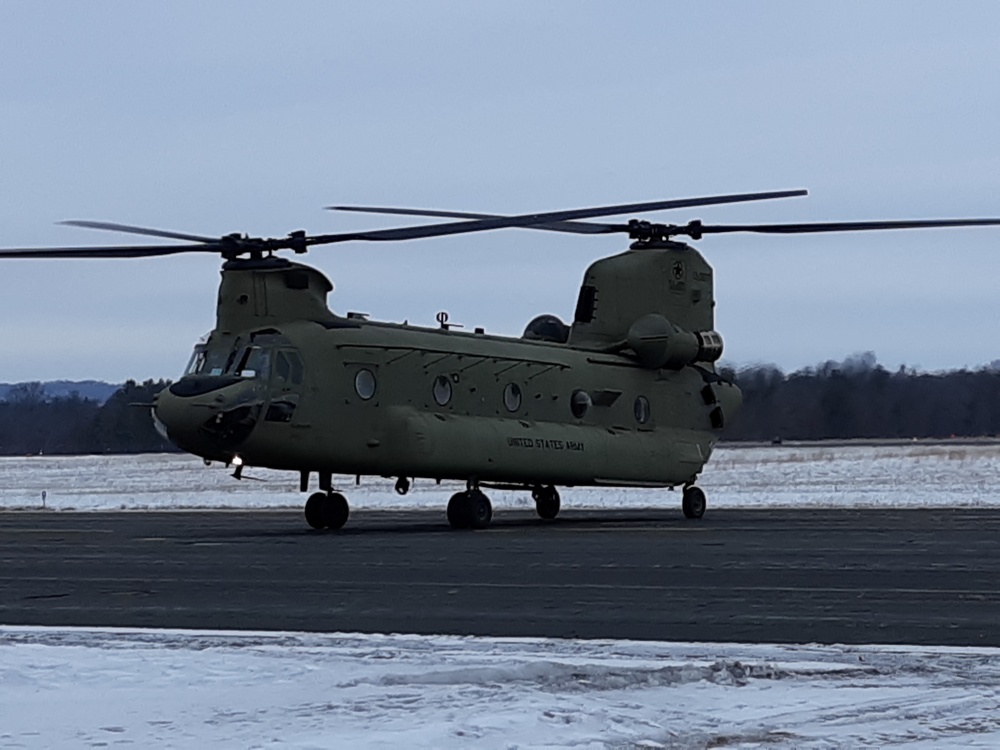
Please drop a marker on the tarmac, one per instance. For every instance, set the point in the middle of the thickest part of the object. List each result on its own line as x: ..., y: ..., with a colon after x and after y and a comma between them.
x: 922, y: 577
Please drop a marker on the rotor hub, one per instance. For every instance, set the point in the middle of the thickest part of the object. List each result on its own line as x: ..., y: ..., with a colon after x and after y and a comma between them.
x: 646, y: 232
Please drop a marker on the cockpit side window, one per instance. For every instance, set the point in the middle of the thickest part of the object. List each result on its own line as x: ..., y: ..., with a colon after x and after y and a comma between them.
x: 288, y: 367
x: 285, y: 385
x: 281, y: 367
x: 296, y: 365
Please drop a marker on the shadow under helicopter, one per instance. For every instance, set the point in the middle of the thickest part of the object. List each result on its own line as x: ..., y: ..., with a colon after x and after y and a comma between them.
x: 421, y: 522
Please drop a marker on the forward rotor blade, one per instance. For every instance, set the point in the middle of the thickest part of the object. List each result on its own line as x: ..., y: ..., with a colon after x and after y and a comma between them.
x: 128, y: 229
x: 135, y: 251
x: 572, y: 227
x: 528, y: 220
x: 838, y: 226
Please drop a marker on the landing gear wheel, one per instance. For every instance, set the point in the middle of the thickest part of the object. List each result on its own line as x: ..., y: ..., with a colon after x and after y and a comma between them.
x: 546, y: 502
x: 480, y: 509
x: 314, y: 510
x: 458, y: 512
x: 693, y: 502
x: 336, y: 510
x: 327, y: 511
x: 469, y: 510
x: 402, y: 486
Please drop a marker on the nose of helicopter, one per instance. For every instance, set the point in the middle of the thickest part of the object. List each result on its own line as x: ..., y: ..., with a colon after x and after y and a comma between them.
x: 209, y: 419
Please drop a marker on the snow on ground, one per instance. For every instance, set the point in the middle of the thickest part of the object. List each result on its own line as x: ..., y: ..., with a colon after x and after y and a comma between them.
x: 917, y: 474
x: 70, y: 688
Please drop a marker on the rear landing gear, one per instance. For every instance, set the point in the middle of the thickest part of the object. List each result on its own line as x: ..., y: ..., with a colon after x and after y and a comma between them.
x: 693, y: 502
x: 546, y: 502
x: 326, y: 510
x: 470, y: 510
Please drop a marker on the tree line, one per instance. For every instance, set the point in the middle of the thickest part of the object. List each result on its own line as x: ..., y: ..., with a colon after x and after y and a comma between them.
x: 32, y: 423
x: 857, y: 398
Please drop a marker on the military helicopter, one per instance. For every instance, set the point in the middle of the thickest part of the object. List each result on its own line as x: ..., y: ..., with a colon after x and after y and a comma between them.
x: 627, y: 395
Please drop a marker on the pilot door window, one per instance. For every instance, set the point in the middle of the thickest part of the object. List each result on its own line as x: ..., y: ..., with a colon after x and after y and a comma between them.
x: 288, y: 369
x: 284, y: 388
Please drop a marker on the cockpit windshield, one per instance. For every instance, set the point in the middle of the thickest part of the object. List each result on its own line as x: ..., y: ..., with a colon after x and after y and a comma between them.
x: 206, y: 361
x: 253, y: 362
x: 245, y: 360
x: 197, y: 362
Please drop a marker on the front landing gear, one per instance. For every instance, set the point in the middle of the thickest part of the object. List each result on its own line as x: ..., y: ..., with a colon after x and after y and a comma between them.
x: 693, y: 502
x: 470, y: 510
x: 326, y: 510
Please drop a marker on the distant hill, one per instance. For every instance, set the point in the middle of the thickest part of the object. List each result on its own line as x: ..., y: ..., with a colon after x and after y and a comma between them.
x: 93, y: 390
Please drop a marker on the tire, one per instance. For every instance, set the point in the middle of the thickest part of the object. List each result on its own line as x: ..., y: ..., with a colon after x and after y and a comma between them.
x: 335, y: 510
x: 315, y: 515
x: 693, y: 503
x: 480, y: 509
x: 458, y: 511
x: 547, y: 503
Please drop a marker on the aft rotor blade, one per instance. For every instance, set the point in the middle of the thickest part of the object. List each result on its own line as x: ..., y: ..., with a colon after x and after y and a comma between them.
x: 128, y: 229
x: 135, y: 251
x: 696, y: 228
x: 529, y: 220
x: 572, y: 227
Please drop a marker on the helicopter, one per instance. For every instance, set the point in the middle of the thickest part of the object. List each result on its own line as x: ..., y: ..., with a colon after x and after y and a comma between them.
x: 626, y: 395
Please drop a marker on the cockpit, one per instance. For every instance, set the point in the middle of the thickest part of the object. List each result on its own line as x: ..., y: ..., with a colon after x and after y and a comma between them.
x: 243, y: 360
x: 206, y: 361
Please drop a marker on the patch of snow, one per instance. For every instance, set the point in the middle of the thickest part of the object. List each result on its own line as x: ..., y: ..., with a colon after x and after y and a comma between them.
x: 909, y: 475
x: 75, y: 687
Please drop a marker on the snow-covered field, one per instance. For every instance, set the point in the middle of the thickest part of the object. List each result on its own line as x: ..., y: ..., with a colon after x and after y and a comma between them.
x: 69, y: 688
x: 917, y: 474
x: 73, y: 688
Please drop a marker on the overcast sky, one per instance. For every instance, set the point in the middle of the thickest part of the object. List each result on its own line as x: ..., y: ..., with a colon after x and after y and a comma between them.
x: 214, y: 117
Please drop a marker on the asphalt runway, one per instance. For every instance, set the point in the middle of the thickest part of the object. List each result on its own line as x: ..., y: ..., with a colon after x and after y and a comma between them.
x: 845, y: 576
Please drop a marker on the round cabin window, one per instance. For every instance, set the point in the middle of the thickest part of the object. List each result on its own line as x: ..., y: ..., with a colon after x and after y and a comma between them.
x: 442, y: 390
x: 641, y: 409
x: 364, y: 384
x: 580, y: 403
x: 512, y: 397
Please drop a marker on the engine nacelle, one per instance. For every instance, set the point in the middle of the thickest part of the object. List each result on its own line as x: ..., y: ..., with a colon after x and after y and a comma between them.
x: 659, y: 343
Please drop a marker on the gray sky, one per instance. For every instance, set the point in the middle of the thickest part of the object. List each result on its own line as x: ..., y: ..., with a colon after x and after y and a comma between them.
x: 251, y: 116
